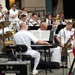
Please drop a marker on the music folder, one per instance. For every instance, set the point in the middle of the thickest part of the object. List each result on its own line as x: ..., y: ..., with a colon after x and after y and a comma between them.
x: 42, y: 35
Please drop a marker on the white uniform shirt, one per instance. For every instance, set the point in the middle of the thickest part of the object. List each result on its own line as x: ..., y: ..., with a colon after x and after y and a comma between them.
x: 11, y: 13
x: 24, y: 37
x: 32, y: 22
x: 2, y: 19
x: 64, y: 35
x: 48, y: 22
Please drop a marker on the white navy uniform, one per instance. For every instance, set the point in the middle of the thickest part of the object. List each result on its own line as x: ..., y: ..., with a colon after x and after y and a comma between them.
x: 24, y: 37
x: 64, y: 35
x: 32, y: 22
x: 11, y: 13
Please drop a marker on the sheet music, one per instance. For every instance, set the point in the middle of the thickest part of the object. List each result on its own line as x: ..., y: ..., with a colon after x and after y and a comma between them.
x: 43, y: 35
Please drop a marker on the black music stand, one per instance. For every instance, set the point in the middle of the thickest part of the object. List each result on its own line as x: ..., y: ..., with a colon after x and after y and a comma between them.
x: 33, y: 27
x: 59, y: 28
x: 49, y: 27
x: 51, y: 37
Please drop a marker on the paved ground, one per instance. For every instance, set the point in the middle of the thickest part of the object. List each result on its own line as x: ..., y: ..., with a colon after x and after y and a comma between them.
x: 60, y: 71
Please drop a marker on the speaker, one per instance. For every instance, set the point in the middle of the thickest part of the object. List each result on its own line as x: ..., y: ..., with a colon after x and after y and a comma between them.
x: 69, y: 9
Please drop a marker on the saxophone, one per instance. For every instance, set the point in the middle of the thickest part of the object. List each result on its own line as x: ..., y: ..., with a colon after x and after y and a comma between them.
x: 67, y: 44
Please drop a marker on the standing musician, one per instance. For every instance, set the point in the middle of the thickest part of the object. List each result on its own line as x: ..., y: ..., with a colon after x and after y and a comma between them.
x: 25, y: 38
x: 64, y: 37
x: 2, y: 16
x: 13, y: 15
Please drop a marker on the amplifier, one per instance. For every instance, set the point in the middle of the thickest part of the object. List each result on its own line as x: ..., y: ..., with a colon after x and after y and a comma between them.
x: 15, y: 68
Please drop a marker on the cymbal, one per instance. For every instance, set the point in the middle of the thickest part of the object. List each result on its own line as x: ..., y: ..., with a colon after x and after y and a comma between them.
x: 4, y: 24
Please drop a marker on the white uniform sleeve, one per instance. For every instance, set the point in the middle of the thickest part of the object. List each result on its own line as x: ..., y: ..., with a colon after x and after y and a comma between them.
x: 0, y: 14
x: 61, y: 36
x: 33, y: 38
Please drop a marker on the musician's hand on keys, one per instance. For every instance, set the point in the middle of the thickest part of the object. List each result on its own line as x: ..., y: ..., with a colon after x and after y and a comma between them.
x: 46, y: 43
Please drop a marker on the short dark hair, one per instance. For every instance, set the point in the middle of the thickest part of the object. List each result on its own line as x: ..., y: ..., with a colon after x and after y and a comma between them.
x: 13, y: 5
x: 0, y: 5
x: 23, y: 8
x: 22, y: 15
x: 47, y: 15
x: 69, y: 23
x: 34, y: 13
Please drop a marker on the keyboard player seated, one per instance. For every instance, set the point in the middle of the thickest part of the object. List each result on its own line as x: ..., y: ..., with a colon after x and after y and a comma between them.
x: 24, y: 37
x: 56, y: 57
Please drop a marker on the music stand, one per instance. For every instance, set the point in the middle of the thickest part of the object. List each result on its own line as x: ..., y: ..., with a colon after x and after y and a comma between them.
x: 59, y: 28
x: 49, y: 27
x: 33, y: 27
x: 51, y: 37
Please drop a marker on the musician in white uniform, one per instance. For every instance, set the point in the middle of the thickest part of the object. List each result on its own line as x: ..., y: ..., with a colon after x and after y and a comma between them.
x: 2, y: 16
x: 55, y: 51
x: 63, y: 36
x: 13, y: 15
x: 33, y: 20
x: 25, y: 38
x: 22, y: 20
x: 43, y: 26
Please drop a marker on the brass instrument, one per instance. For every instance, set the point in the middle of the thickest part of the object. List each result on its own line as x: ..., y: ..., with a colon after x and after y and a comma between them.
x: 67, y: 44
x: 7, y: 34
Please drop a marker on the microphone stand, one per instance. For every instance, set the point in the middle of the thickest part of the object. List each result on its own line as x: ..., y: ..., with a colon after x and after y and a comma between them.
x: 3, y: 36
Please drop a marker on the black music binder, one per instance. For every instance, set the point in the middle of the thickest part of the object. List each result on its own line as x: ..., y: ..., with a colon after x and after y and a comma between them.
x: 59, y: 28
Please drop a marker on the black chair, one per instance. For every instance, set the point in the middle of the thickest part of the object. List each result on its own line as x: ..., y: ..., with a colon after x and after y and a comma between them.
x: 21, y: 49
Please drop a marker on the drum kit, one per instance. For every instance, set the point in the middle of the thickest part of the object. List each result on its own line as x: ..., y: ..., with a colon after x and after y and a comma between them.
x: 6, y: 34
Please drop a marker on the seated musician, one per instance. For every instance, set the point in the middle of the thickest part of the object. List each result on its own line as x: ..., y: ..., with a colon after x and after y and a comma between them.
x: 25, y: 38
x: 43, y: 26
x: 62, y: 37
x: 49, y: 19
x: 22, y: 20
x: 33, y: 20
x: 55, y: 51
